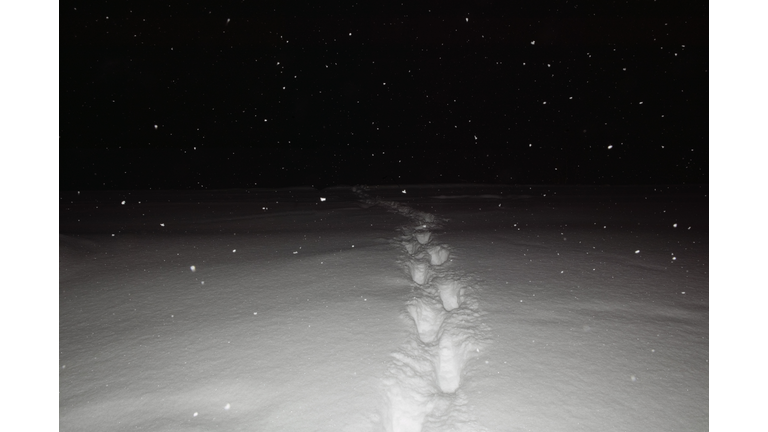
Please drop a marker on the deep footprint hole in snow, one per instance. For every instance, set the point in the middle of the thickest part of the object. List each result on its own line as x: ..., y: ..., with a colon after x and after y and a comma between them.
x: 451, y: 294
x: 420, y: 272
x: 428, y: 316
x: 438, y: 255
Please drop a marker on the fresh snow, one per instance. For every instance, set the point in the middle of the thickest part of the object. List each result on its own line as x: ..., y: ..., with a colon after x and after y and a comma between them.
x: 451, y: 308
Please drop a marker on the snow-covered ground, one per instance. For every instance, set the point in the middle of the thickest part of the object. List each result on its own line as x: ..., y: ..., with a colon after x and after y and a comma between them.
x: 416, y: 308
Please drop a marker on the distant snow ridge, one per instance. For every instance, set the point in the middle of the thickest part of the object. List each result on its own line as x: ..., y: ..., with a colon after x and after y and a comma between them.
x: 423, y: 385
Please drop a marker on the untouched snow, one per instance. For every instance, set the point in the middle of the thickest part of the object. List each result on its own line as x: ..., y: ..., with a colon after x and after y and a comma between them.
x: 442, y: 308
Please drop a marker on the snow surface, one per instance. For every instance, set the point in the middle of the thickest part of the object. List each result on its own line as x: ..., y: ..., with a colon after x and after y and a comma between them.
x: 446, y: 308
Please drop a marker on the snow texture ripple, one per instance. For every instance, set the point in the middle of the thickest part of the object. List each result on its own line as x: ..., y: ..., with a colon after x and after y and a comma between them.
x: 423, y: 384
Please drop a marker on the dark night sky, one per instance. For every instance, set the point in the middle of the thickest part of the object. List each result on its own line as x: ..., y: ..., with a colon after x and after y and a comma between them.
x: 278, y: 93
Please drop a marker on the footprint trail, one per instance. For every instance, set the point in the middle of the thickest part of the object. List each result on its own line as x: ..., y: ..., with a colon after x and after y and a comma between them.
x: 423, y: 386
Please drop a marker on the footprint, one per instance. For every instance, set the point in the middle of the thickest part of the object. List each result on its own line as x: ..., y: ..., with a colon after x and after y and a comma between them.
x: 451, y: 293
x: 423, y: 236
x: 406, y: 411
x: 412, y: 247
x: 438, y: 255
x: 455, y: 348
x: 409, y: 392
x: 428, y: 316
x: 420, y: 272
